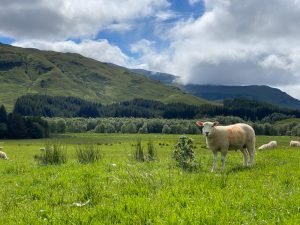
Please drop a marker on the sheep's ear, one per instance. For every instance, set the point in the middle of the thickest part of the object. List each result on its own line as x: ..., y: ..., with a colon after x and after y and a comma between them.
x: 199, y: 123
x: 216, y: 123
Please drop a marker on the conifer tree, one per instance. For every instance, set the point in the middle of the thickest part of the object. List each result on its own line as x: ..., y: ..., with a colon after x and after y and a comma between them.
x: 3, y: 114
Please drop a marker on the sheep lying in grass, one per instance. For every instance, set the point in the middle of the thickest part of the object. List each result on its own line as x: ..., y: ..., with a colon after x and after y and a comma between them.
x: 3, y: 155
x: 233, y: 137
x: 270, y: 145
x: 294, y: 144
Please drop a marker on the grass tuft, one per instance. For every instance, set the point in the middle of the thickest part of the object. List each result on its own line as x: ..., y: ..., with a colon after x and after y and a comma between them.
x: 54, y: 154
x: 151, y: 152
x: 88, y: 153
x: 139, y: 151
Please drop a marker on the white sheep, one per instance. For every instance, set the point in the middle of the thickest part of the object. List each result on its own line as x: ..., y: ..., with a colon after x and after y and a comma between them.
x: 233, y: 137
x: 270, y: 145
x: 42, y: 149
x: 294, y: 144
x: 1, y: 148
x: 3, y: 155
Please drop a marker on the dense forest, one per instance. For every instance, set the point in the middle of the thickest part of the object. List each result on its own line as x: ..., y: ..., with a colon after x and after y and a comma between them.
x: 49, y: 106
x: 15, y: 126
x: 55, y: 106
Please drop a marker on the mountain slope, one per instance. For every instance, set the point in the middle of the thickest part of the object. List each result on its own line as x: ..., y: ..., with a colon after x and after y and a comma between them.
x: 24, y: 71
x: 260, y: 93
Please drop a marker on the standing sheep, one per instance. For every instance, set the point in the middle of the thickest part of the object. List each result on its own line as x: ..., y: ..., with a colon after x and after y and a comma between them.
x: 3, y: 155
x: 294, y: 144
x: 270, y: 145
x: 233, y: 137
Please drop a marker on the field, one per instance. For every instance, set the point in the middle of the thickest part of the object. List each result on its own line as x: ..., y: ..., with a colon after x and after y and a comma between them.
x: 120, y: 190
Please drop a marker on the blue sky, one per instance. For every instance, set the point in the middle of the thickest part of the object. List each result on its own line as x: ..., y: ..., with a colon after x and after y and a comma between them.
x: 146, y: 27
x: 228, y: 42
x: 6, y: 40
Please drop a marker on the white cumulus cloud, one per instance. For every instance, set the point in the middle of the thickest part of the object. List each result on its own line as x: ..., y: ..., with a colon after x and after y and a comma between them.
x: 149, y: 58
x: 62, y: 19
x: 100, y: 50
x: 194, y: 2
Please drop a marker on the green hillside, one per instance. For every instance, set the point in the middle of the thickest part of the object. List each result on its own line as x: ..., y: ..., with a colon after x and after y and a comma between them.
x: 24, y: 71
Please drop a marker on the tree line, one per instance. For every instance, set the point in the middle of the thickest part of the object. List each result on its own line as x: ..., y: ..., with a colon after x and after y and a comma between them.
x: 58, y: 106
x: 165, y: 126
x: 15, y: 126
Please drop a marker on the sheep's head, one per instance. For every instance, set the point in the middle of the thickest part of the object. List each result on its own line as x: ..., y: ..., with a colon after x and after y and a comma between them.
x: 208, y: 127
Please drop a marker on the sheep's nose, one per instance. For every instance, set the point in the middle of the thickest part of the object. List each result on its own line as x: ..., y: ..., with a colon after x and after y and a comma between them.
x: 206, y: 133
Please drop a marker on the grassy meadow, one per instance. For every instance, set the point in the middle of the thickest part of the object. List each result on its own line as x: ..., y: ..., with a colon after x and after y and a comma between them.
x: 119, y: 190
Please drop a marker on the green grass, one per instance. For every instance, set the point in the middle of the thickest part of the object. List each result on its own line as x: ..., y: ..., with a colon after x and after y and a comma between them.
x: 120, y: 190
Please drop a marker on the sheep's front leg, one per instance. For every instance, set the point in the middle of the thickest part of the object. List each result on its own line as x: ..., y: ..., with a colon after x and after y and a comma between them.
x: 215, y: 161
x: 224, y: 153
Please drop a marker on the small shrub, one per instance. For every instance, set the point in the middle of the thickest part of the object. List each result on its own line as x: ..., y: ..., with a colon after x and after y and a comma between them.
x: 139, y: 151
x: 88, y: 153
x: 184, y: 154
x: 151, y: 152
x: 54, y: 154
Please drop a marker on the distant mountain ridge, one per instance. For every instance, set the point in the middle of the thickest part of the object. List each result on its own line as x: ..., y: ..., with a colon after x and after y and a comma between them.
x: 32, y: 71
x: 260, y: 93
x: 162, y: 77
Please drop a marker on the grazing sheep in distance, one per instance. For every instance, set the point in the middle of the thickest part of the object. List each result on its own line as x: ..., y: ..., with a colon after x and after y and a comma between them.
x: 42, y: 149
x: 3, y: 155
x: 1, y: 148
x: 294, y: 144
x: 270, y: 145
x: 233, y: 137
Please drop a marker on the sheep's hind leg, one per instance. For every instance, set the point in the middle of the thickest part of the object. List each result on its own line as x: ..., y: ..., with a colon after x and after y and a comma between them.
x: 224, y: 153
x: 251, y: 158
x: 245, y: 153
x: 251, y: 151
x: 215, y: 161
